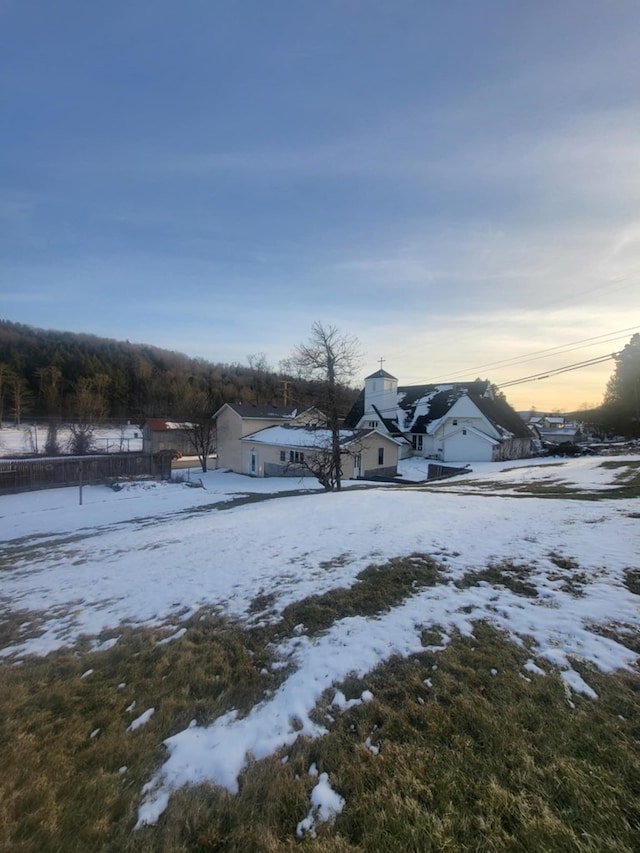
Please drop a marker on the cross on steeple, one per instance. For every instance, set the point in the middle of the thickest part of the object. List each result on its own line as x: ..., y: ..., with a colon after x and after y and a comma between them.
x: 381, y: 361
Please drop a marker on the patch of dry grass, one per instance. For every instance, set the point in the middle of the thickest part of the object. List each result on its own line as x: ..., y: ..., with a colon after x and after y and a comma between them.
x: 505, y: 574
x: 472, y: 752
x: 61, y: 788
x: 632, y: 580
x: 376, y: 590
x: 626, y: 484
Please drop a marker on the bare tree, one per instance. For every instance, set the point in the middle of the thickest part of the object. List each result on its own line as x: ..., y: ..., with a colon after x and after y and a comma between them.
x: 49, y: 389
x: 90, y: 409
x: 318, y: 457
x: 52, y: 444
x: 202, y: 437
x: 50, y: 394
x: 261, y: 383
x: 199, y: 425
x: 20, y: 394
x: 5, y: 370
x: 331, y: 358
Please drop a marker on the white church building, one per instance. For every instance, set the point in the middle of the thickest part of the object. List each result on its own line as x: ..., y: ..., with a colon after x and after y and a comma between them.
x: 449, y: 422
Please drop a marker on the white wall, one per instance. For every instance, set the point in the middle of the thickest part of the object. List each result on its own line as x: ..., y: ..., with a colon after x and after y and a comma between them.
x: 459, y: 447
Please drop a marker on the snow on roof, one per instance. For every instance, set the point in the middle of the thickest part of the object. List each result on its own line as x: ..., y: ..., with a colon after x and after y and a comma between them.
x: 310, y: 437
x: 161, y: 425
x: 406, y: 419
x: 291, y: 436
x: 421, y: 408
x: 249, y: 410
x: 419, y: 405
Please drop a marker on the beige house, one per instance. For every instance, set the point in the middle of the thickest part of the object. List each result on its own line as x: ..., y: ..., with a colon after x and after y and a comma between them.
x: 289, y: 451
x: 234, y: 421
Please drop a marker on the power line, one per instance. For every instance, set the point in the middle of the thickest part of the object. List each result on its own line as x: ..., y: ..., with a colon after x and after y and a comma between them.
x: 534, y: 377
x: 577, y: 366
x: 615, y: 282
x: 608, y: 337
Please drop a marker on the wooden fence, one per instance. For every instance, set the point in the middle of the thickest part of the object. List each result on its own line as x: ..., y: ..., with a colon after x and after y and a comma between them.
x: 24, y: 475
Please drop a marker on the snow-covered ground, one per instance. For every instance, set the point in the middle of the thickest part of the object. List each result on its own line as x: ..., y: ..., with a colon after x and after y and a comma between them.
x: 31, y: 438
x: 154, y: 554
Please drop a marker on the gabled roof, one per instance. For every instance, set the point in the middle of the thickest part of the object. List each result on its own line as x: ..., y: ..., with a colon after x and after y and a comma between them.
x: 420, y: 407
x: 162, y: 425
x: 381, y: 374
x: 502, y: 416
x: 287, y: 435
x: 390, y: 424
x: 356, y: 412
x: 263, y: 412
x: 312, y: 438
x: 417, y: 405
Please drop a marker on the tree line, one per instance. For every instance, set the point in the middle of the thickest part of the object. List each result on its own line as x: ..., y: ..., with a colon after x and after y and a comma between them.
x: 65, y: 376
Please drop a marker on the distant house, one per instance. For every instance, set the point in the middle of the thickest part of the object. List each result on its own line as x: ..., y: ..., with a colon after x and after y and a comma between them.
x: 234, y: 421
x: 555, y: 429
x: 451, y: 422
x: 159, y: 434
x: 289, y: 451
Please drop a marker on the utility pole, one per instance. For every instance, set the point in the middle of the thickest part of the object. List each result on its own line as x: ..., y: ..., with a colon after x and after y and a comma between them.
x: 285, y: 388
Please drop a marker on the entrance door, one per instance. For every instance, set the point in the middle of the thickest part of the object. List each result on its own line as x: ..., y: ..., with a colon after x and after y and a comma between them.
x: 253, y: 463
x: 357, y: 465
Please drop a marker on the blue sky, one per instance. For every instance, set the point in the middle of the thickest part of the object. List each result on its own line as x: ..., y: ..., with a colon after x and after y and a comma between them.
x: 455, y: 183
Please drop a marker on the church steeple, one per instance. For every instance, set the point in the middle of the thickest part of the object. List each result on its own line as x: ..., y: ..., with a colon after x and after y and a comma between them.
x: 380, y: 396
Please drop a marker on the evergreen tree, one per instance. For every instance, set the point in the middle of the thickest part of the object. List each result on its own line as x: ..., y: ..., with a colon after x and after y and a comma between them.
x: 621, y: 407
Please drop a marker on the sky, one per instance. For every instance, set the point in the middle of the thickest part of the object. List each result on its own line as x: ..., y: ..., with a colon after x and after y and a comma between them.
x: 456, y: 184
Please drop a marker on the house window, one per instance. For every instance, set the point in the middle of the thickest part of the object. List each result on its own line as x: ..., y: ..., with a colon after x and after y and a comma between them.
x: 296, y: 456
x: 381, y: 456
x: 372, y: 424
x: 455, y: 422
x: 464, y: 432
x: 416, y: 440
x: 283, y: 455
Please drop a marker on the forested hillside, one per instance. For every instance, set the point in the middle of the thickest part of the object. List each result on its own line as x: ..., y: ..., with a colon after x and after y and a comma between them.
x: 52, y: 374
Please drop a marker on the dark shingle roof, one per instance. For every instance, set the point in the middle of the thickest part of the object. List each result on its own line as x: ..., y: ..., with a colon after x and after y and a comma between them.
x: 357, y: 411
x: 249, y: 410
x: 500, y: 413
x: 381, y: 374
x: 164, y: 424
x: 423, y: 404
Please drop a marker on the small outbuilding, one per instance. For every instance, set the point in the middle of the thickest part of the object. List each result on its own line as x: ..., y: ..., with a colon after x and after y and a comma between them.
x: 161, y: 435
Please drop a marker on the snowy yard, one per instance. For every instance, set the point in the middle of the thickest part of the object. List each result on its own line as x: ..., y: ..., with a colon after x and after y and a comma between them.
x: 549, y: 573
x: 31, y: 438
